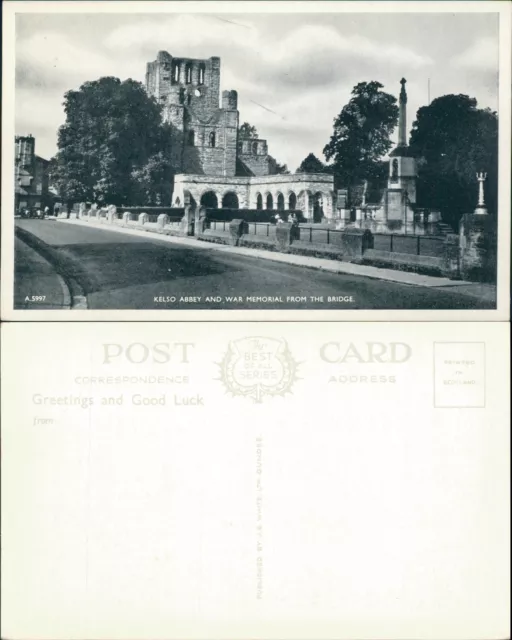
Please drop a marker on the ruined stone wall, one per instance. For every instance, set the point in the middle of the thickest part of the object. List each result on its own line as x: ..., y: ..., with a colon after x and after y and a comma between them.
x: 203, y: 135
x: 187, y: 81
x: 254, y: 154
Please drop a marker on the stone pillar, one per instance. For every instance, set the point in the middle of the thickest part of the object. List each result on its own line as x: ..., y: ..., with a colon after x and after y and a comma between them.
x: 451, y: 256
x: 143, y: 218
x: 402, y: 118
x: 481, y: 209
x: 285, y: 232
x: 478, y: 247
x: 354, y: 242
x: 343, y: 218
x: 188, y: 222
x: 199, y: 220
x: 126, y: 217
x: 237, y: 228
x: 162, y: 220
x: 306, y: 211
x: 111, y: 214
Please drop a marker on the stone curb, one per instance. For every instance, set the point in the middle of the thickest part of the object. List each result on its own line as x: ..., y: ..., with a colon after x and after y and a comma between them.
x: 74, y: 297
x: 66, y: 293
x: 322, y: 264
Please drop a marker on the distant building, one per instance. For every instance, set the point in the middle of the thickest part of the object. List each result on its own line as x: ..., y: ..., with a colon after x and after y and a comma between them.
x: 30, y: 176
x: 215, y: 167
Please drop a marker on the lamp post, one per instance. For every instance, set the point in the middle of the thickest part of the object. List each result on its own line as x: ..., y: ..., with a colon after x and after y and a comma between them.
x: 481, y: 209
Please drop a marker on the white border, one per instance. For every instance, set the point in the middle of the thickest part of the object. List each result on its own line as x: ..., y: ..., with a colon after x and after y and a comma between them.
x: 341, y: 6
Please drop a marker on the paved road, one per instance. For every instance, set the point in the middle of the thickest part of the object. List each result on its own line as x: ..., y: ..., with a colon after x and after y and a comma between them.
x: 32, y: 273
x: 120, y: 271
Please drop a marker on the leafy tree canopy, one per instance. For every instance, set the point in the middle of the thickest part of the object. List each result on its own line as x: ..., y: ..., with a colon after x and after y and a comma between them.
x: 246, y: 130
x: 454, y: 140
x: 361, y: 135
x: 113, y: 146
x: 311, y: 164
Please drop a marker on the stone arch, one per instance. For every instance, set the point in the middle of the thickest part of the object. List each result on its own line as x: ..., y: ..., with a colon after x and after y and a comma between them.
x: 230, y: 200
x: 269, y: 201
x: 209, y: 200
x: 318, y: 206
x: 255, y: 148
x: 280, y: 201
x: 211, y: 139
x: 259, y: 201
x: 292, y: 200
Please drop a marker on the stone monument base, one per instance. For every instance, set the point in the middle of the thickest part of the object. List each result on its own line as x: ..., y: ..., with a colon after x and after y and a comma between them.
x: 478, y: 247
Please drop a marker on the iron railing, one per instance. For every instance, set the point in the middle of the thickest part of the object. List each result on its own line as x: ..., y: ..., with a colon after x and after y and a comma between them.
x: 414, y: 244
x: 321, y: 235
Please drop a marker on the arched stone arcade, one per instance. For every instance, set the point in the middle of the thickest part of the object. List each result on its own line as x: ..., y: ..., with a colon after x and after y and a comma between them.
x: 209, y: 200
x: 230, y: 200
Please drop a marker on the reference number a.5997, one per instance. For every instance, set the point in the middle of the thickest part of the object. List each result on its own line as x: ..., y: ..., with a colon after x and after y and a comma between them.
x: 35, y: 298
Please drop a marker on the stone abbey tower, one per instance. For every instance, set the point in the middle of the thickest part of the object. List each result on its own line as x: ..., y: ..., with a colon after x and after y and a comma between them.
x: 204, y: 134
x: 214, y: 168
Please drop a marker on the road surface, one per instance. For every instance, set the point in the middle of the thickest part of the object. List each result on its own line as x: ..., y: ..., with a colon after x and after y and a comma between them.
x: 118, y: 271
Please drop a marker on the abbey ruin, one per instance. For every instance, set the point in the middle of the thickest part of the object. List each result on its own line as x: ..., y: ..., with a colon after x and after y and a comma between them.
x: 215, y: 168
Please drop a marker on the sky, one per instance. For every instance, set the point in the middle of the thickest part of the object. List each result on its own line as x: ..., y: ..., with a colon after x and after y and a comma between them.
x: 293, y: 72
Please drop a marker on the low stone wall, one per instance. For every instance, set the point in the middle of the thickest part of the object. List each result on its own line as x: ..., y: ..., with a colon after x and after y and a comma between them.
x: 406, y: 262
x: 470, y: 255
x: 219, y: 237
x: 172, y: 212
x: 130, y: 218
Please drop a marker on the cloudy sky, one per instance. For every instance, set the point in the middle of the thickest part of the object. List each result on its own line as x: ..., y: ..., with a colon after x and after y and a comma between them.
x: 293, y: 72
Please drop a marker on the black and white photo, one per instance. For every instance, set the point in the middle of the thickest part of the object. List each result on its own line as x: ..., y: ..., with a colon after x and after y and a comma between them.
x: 255, y: 160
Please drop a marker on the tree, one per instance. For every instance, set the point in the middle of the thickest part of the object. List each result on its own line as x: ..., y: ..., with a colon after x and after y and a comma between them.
x: 274, y: 168
x: 361, y: 135
x: 154, y: 181
x: 311, y: 164
x: 247, y: 131
x: 110, y: 144
x: 454, y: 140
